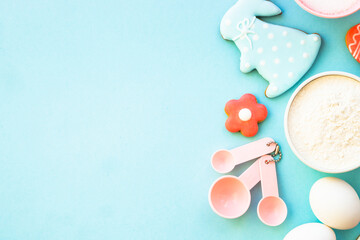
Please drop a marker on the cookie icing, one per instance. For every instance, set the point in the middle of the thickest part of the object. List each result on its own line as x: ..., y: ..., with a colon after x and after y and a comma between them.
x: 353, y: 41
x: 280, y: 54
x: 244, y: 115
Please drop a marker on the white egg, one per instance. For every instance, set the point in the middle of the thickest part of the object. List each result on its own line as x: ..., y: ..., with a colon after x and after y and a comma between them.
x: 335, y: 203
x: 311, y: 231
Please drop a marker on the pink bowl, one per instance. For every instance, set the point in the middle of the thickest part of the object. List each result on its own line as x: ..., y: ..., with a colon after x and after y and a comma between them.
x: 354, y: 8
x: 229, y: 197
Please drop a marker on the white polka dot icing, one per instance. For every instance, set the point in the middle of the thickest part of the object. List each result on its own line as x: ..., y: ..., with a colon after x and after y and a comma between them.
x: 245, y: 114
x: 280, y: 54
x: 273, y: 88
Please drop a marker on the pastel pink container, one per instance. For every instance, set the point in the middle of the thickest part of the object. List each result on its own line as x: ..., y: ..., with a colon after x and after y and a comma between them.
x: 330, y: 8
x: 230, y: 197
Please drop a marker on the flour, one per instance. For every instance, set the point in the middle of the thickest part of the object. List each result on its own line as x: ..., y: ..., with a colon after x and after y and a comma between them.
x: 324, y: 122
x: 330, y: 6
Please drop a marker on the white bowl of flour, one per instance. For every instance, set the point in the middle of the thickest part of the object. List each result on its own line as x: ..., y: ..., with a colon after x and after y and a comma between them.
x: 322, y: 122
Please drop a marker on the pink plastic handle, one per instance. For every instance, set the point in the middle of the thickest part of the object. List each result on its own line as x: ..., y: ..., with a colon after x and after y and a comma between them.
x: 251, y: 176
x: 253, y: 150
x: 269, y: 184
x: 223, y: 161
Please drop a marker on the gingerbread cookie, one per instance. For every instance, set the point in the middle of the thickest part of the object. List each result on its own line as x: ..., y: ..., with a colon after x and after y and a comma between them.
x: 280, y: 54
x: 352, y: 40
x: 244, y: 115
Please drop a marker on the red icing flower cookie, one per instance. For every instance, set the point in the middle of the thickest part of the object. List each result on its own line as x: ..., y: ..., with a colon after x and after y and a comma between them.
x: 244, y: 115
x: 352, y: 40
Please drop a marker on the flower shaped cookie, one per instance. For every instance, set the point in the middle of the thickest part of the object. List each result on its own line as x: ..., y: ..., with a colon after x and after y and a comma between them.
x: 244, y: 115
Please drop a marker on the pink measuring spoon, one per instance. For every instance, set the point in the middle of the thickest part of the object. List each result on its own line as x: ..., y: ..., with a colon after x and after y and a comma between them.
x: 229, y: 196
x: 223, y: 161
x: 271, y: 209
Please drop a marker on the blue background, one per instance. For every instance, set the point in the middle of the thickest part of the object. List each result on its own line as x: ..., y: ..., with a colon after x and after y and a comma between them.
x: 110, y: 111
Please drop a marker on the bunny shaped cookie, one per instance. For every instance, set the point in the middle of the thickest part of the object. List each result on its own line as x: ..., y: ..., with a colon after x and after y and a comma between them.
x: 280, y: 54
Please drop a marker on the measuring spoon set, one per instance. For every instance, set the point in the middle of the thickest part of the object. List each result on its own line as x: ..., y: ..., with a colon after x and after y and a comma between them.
x: 230, y: 197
